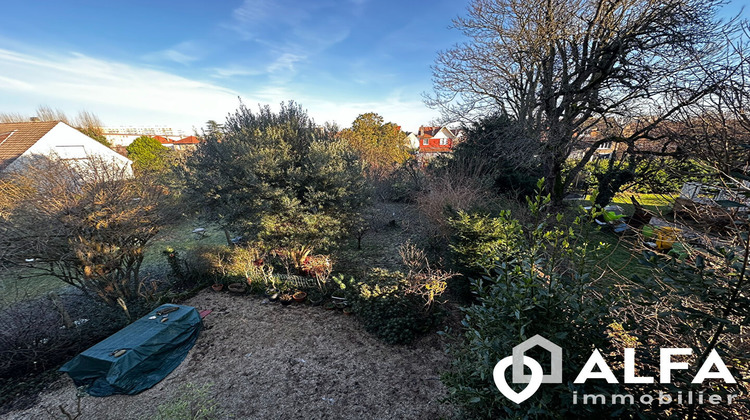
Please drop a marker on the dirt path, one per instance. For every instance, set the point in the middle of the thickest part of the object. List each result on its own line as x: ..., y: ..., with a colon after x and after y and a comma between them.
x: 267, y: 361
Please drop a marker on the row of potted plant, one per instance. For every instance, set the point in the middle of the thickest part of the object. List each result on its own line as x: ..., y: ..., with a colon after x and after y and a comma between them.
x: 274, y: 295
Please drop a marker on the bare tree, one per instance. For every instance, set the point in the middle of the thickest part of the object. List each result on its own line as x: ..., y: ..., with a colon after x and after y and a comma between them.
x: 716, y: 130
x: 562, y: 67
x: 47, y: 113
x: 11, y: 117
x: 84, y: 222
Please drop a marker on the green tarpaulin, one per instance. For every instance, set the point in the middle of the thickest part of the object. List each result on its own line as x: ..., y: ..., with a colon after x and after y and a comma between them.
x: 152, y: 349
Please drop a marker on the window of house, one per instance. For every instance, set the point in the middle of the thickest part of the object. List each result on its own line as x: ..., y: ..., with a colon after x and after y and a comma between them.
x: 443, y: 142
x: 606, y: 145
x: 426, y: 142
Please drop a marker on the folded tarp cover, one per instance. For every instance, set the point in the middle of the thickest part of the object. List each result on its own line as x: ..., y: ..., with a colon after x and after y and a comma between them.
x: 138, y: 356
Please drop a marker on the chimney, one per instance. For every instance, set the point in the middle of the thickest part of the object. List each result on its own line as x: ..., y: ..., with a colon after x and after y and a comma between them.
x: 34, y: 119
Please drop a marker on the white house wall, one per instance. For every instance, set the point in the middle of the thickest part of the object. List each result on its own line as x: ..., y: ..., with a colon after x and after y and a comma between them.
x: 444, y: 133
x: 68, y: 143
x: 413, y: 140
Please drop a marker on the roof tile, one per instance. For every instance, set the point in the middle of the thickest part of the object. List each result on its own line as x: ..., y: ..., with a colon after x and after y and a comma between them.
x: 16, y: 138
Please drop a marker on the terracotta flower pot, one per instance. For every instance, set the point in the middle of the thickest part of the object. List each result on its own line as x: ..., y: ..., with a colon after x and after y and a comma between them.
x: 299, y: 296
x: 217, y: 287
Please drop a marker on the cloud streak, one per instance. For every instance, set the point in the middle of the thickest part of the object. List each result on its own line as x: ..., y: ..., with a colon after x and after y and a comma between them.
x: 94, y: 83
x: 128, y: 94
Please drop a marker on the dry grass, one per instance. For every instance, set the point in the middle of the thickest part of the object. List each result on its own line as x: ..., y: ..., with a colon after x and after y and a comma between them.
x: 272, y: 361
x: 450, y: 193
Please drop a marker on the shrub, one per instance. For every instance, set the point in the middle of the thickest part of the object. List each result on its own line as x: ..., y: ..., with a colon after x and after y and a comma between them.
x: 196, y: 267
x: 498, y: 149
x: 544, y: 290
x: 86, y: 223
x: 35, y: 339
x: 699, y: 304
x: 480, y: 241
x: 398, y: 307
x: 279, y: 178
x: 448, y: 194
x: 381, y: 303
x: 149, y: 155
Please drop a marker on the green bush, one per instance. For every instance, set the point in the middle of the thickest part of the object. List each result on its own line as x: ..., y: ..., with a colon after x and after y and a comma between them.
x: 481, y: 241
x: 544, y: 290
x: 278, y: 178
x: 148, y: 155
x: 386, y: 307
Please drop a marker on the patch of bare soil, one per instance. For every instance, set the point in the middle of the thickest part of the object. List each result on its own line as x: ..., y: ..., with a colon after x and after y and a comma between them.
x: 266, y: 360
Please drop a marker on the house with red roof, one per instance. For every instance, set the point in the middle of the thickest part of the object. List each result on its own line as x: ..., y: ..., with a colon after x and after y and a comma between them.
x: 434, y: 141
x: 187, y: 143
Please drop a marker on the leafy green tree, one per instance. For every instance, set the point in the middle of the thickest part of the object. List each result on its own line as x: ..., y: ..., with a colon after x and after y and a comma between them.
x: 148, y: 154
x: 279, y: 178
x: 382, y: 145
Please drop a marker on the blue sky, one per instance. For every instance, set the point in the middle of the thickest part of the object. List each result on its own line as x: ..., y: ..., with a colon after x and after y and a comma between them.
x: 180, y: 64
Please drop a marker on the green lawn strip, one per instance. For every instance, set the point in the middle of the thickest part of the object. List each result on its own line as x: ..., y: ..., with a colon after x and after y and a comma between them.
x: 19, y: 284
x: 619, y: 261
x: 179, y: 237
x: 655, y: 203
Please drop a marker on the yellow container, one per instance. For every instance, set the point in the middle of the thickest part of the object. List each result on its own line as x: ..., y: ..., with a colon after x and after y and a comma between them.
x: 666, y: 237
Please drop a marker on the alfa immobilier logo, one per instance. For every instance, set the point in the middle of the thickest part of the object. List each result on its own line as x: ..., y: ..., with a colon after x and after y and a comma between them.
x: 596, y: 368
x: 518, y: 360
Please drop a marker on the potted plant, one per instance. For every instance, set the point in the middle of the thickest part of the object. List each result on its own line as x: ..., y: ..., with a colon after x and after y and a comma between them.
x: 348, y: 310
x: 217, y: 287
x: 272, y: 294
x: 329, y: 306
x: 237, y: 288
x: 299, y: 296
x: 315, y: 297
x: 339, y: 299
x: 285, y: 299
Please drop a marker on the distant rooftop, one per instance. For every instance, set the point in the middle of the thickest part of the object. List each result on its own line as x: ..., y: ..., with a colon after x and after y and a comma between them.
x: 144, y: 130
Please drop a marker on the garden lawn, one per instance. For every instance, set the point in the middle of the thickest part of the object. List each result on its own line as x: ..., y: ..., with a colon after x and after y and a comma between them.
x: 179, y: 237
x: 619, y: 261
x: 655, y: 203
x: 20, y: 284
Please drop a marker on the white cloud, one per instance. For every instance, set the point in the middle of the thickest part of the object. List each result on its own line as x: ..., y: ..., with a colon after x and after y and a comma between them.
x: 285, y: 62
x: 183, y: 53
x: 75, y: 80
x: 259, y: 11
x: 131, y: 95
x: 234, y: 71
